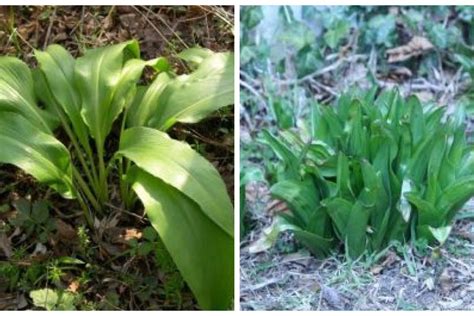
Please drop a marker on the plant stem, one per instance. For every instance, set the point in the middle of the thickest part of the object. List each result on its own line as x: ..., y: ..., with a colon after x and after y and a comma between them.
x: 124, y: 189
x: 86, y: 190
x: 90, y: 156
x: 103, y: 187
x: 92, y: 177
x: 85, y: 210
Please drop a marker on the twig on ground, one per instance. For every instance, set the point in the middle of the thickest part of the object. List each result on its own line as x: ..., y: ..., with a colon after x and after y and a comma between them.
x: 324, y: 70
x: 50, y: 26
x: 254, y: 92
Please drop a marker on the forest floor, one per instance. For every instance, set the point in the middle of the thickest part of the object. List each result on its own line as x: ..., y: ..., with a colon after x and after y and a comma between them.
x: 114, y: 274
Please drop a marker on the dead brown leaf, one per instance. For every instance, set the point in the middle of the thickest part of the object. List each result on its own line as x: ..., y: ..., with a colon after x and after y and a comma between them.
x: 376, y: 269
x: 5, y: 245
x: 446, y: 281
x: 402, y: 72
x: 390, y: 259
x: 108, y: 22
x: 131, y: 233
x: 73, y: 286
x: 277, y: 206
x: 7, y: 301
x: 418, y: 45
x: 65, y: 231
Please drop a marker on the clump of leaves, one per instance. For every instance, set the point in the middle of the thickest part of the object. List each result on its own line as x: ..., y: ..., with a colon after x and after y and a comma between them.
x: 183, y: 194
x: 371, y: 171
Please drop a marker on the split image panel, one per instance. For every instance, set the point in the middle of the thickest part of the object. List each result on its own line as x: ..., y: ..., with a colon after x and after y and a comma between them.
x: 356, y: 157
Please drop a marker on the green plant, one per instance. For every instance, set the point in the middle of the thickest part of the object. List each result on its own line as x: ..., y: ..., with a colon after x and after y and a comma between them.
x: 50, y: 299
x: 183, y: 194
x: 371, y: 171
x: 33, y: 217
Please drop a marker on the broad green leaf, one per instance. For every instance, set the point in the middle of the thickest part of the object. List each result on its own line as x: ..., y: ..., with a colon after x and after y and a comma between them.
x: 180, y: 166
x: 195, y: 55
x: 45, y: 298
x: 455, y: 196
x: 319, y: 151
x: 436, y: 162
x: 404, y: 206
x: 319, y: 128
x: 356, y: 230
x: 300, y: 195
x: 343, y: 177
x: 334, y: 124
x: 270, y: 234
x: 427, y: 213
x: 57, y: 65
x: 319, y: 246
x: 339, y: 210
x: 202, y: 251
x: 282, y: 112
x: 17, y: 93
x: 190, y: 98
x: 36, y: 152
x: 97, y: 75
x: 417, y: 123
x: 320, y: 223
x: 283, y: 152
x: 418, y: 163
x: 373, y: 181
x: 45, y: 98
x: 106, y: 80
x: 146, y: 101
x: 356, y: 142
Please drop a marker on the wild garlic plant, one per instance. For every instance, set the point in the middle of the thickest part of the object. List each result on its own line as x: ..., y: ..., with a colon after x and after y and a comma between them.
x: 370, y: 170
x: 183, y: 194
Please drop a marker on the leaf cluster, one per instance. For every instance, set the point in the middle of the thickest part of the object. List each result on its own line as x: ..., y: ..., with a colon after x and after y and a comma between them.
x: 372, y: 170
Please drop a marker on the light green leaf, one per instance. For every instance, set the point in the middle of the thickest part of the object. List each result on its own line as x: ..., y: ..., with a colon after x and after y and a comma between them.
x: 441, y: 234
x: 45, y: 298
x: 106, y: 80
x: 57, y: 65
x: 146, y: 101
x: 53, y: 300
x: 404, y: 206
x: 36, y: 152
x: 17, y: 93
x: 98, y: 73
x: 455, y: 196
x: 180, y: 166
x: 270, y: 234
x: 195, y: 55
x: 190, y: 98
x: 202, y: 251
